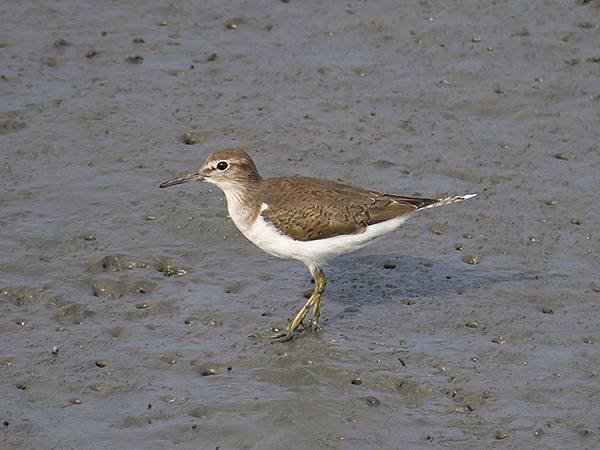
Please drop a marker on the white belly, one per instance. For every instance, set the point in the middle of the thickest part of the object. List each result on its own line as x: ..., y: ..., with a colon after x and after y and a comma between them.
x: 269, y: 239
x: 266, y: 237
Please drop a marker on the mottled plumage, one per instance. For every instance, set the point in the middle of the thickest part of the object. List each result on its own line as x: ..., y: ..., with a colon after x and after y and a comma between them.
x: 324, y: 208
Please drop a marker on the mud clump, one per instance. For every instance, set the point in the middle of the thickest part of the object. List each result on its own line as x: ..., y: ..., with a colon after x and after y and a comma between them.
x: 141, y: 287
x: 207, y: 371
x: 22, y: 295
x: 11, y: 126
x: 471, y: 259
x: 108, y: 289
x: 169, y: 268
x: 195, y: 137
x: 72, y: 314
x: 117, y: 263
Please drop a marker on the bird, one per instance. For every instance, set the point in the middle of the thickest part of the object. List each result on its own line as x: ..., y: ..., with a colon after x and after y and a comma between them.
x: 307, y: 219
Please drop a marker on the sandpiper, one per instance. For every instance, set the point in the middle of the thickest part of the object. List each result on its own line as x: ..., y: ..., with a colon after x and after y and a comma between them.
x: 307, y: 219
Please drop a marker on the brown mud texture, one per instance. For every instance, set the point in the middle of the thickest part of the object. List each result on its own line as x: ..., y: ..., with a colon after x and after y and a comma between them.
x: 125, y: 310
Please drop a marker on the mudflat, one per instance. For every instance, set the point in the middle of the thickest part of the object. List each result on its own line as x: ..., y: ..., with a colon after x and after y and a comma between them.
x: 125, y: 310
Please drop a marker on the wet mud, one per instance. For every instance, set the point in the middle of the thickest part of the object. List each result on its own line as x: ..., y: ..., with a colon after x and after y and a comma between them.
x: 126, y: 311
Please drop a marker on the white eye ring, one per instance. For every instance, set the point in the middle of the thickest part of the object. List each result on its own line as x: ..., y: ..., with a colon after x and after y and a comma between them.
x: 222, y: 166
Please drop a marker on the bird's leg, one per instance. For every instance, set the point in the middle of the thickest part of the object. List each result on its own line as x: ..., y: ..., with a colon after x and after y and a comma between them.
x: 320, y: 283
x: 313, y: 302
x: 288, y: 332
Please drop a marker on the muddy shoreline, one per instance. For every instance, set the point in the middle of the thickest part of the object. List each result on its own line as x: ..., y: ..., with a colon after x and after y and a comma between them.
x: 126, y: 310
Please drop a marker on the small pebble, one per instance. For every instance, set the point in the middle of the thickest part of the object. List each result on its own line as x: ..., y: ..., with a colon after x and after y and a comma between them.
x: 501, y: 434
x: 476, y: 39
x: 170, y: 269
x: 23, y: 386
x: 138, y: 41
x: 55, y: 349
x: 61, y: 43
x: 135, y: 59
x: 233, y: 24
x: 389, y: 265
x: 209, y: 371
x: 547, y: 310
x: 191, y: 138
x: 472, y: 324
x: 499, y: 340
x: 356, y: 381
x: 170, y: 398
x: 101, y: 363
x: 76, y: 401
x: 551, y: 202
x: 372, y: 400
x: 459, y: 247
x: 411, y: 302
x: 438, y: 228
x: 562, y: 156
x: 576, y: 221
x: 471, y: 259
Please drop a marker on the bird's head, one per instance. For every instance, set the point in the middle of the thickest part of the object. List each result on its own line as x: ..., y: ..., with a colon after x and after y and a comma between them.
x: 228, y: 169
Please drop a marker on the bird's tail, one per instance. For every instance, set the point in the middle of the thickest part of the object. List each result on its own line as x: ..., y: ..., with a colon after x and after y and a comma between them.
x: 449, y: 200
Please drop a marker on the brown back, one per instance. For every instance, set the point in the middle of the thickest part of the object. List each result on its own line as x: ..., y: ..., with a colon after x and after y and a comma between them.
x: 308, y: 208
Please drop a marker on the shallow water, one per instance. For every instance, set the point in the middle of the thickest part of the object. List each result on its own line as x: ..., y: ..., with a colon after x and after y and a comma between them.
x: 126, y: 310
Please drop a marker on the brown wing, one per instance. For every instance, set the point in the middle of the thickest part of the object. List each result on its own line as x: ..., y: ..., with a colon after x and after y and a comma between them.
x: 308, y: 209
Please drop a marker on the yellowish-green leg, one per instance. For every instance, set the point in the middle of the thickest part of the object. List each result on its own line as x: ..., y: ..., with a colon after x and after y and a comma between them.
x: 313, y: 302
x: 320, y: 283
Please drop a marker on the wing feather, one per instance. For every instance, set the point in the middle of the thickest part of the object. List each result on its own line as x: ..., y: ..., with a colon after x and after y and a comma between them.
x: 308, y: 209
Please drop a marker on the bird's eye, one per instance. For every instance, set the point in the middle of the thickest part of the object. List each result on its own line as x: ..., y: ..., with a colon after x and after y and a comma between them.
x: 222, y: 165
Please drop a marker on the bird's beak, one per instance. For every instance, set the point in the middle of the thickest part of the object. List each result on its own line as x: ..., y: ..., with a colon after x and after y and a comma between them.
x: 185, y: 179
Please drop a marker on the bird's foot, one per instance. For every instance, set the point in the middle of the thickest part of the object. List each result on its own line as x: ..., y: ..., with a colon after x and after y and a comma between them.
x: 279, y: 335
x: 314, y: 326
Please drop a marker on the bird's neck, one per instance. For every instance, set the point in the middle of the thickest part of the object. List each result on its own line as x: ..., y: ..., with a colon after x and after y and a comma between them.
x: 243, y: 203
